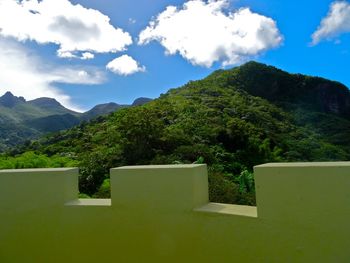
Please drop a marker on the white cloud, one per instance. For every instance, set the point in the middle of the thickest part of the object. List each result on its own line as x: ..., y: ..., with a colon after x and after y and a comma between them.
x: 73, y: 28
x: 26, y: 75
x: 75, y: 76
x: 125, y: 65
x: 204, y: 32
x: 66, y: 54
x: 87, y: 55
x: 335, y: 23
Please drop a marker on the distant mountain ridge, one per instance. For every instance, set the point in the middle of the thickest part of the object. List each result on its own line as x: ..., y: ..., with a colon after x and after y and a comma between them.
x: 51, y: 105
x: 102, y: 109
x: 23, y: 120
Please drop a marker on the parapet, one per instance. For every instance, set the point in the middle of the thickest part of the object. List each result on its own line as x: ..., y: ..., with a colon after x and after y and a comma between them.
x: 162, y: 214
x: 281, y: 188
x: 303, y: 191
x: 180, y: 187
x: 37, y: 187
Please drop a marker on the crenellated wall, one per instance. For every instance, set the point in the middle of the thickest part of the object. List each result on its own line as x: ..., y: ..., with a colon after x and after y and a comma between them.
x: 162, y: 214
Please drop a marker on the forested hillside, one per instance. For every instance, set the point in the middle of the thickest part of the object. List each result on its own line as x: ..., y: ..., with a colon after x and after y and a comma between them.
x: 231, y: 120
x: 23, y: 120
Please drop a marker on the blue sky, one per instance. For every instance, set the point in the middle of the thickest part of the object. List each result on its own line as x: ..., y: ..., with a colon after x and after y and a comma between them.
x: 41, y: 54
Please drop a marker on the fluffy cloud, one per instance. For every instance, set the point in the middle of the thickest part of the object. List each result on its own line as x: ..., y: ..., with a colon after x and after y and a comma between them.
x: 125, y: 65
x: 204, y: 32
x: 84, y: 55
x: 87, y: 55
x: 26, y: 75
x: 335, y: 23
x: 72, y: 27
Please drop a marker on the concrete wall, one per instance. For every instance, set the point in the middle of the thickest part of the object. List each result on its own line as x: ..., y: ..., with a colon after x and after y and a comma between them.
x: 162, y: 214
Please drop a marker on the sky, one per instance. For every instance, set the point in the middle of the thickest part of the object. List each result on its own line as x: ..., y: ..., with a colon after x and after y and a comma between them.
x: 87, y: 52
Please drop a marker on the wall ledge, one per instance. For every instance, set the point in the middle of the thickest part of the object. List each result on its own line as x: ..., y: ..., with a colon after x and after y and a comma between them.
x: 228, y: 209
x: 89, y: 202
x: 37, y: 170
x: 302, y: 164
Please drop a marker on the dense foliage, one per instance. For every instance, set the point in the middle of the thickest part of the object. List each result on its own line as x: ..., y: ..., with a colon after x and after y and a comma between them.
x: 33, y: 160
x: 216, y: 121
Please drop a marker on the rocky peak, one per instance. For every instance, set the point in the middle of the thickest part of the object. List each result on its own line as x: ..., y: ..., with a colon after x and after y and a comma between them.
x: 46, y: 102
x: 9, y: 100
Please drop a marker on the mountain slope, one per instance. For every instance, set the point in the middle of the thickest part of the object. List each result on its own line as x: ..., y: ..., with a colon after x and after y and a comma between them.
x: 51, y: 106
x: 321, y: 105
x: 102, y: 109
x: 23, y: 120
x: 19, y: 118
x: 141, y: 101
x: 18, y: 109
x: 289, y: 91
x: 53, y: 123
x: 219, y: 120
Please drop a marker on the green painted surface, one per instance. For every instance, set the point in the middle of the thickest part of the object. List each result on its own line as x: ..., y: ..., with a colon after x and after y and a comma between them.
x: 162, y: 214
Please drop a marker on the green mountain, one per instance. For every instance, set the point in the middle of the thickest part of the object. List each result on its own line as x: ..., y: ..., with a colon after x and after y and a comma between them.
x: 231, y: 120
x: 23, y: 120
x: 19, y: 118
x: 141, y: 101
x: 320, y: 105
x: 102, y: 109
x: 54, y: 123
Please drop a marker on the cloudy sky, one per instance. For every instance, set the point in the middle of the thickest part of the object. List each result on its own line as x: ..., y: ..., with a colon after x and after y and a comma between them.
x: 85, y: 52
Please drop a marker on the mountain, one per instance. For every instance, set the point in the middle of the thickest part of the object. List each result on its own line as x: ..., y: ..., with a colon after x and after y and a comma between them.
x: 231, y: 120
x: 141, y: 101
x: 102, y: 109
x: 53, y: 123
x: 18, y: 109
x: 319, y: 104
x: 290, y: 91
x: 23, y: 120
x: 51, y: 106
x: 8, y: 100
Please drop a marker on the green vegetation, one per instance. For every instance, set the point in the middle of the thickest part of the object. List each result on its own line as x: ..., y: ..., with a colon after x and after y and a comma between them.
x: 33, y: 160
x: 231, y: 120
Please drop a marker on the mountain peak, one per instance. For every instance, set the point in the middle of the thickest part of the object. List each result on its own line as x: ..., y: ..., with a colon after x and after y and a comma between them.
x: 253, y: 63
x: 283, y: 88
x: 46, y: 102
x: 8, y: 94
x: 141, y: 101
x: 9, y: 100
x: 102, y: 109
